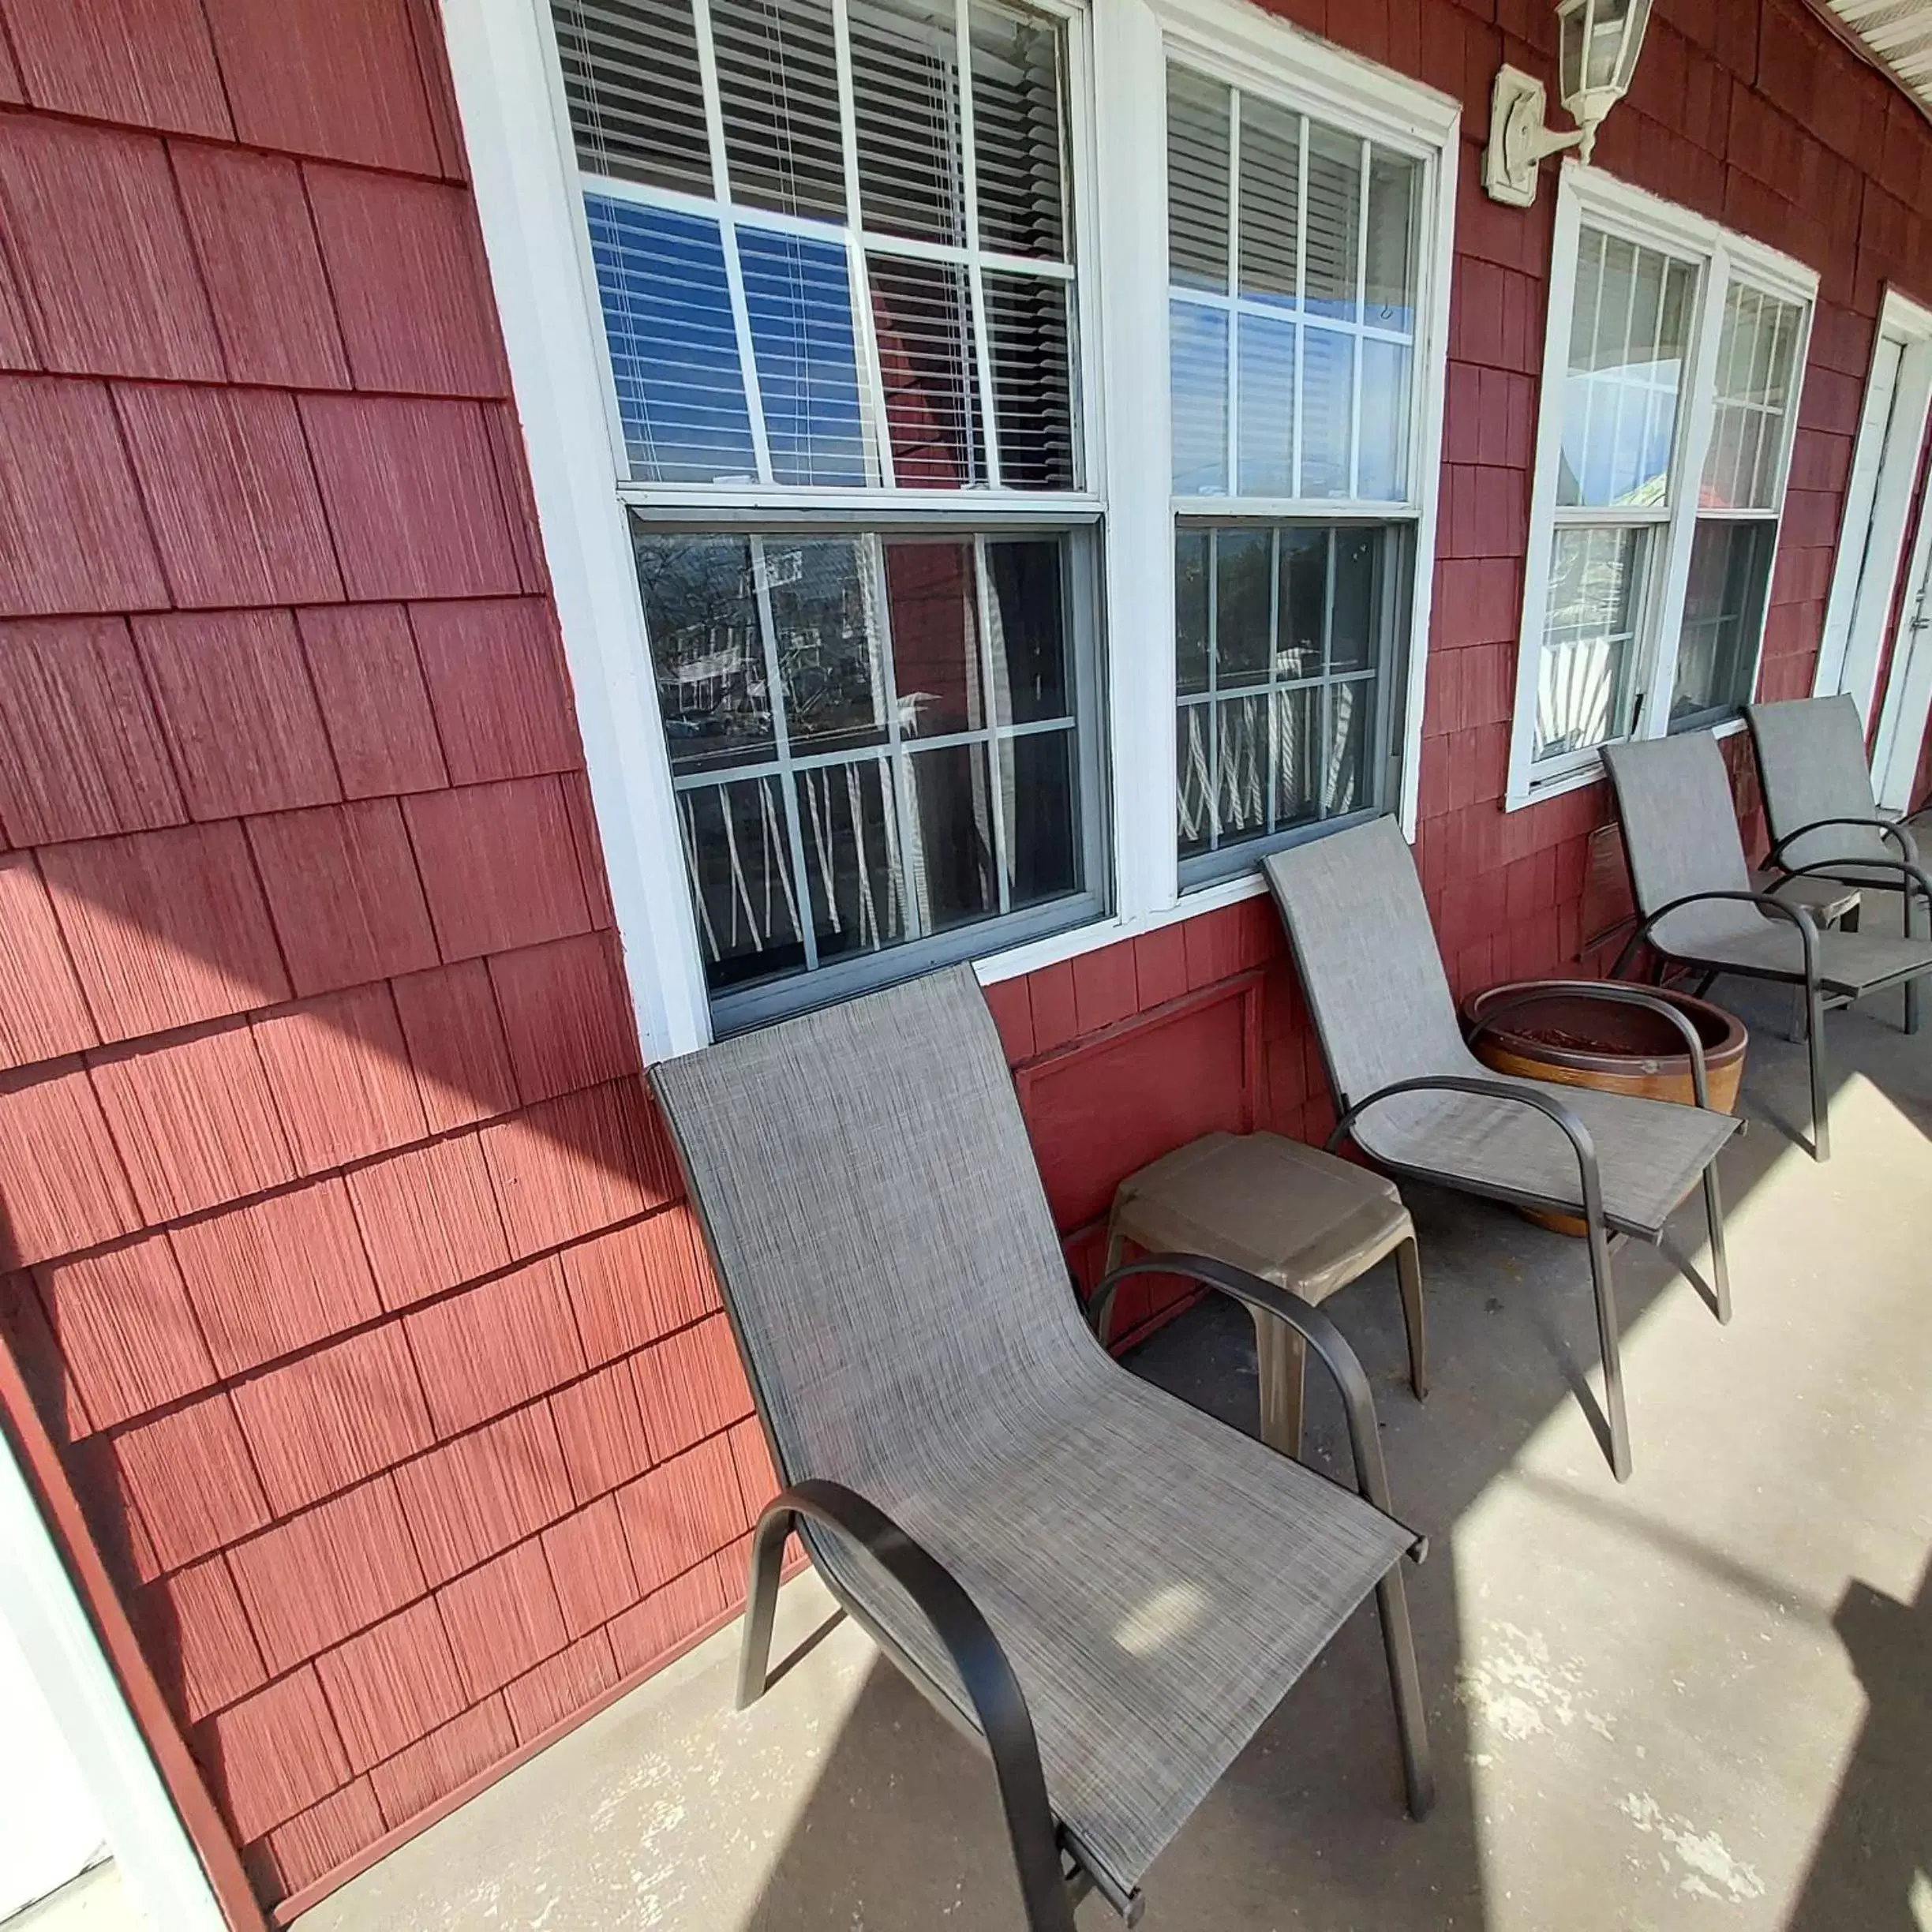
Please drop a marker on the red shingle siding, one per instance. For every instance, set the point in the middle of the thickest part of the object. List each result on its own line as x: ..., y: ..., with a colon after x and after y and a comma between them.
x: 348, y: 1254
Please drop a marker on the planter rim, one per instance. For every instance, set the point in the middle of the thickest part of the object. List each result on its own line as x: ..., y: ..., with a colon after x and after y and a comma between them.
x: 1729, y: 1045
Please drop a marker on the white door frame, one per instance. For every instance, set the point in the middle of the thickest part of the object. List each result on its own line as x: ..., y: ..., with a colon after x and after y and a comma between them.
x: 1908, y: 699
x: 160, y: 1870
x: 1871, y: 540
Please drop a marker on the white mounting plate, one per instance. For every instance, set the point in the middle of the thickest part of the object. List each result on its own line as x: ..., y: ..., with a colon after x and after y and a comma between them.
x: 1515, y: 155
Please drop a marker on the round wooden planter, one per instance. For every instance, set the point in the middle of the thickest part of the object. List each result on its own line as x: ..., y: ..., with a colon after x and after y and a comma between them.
x: 1582, y: 1043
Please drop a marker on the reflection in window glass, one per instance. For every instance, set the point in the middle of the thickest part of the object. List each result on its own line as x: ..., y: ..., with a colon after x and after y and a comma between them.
x: 874, y: 739
x: 1723, y: 619
x: 1756, y: 351
x: 1281, y: 721
x: 1583, y: 685
x: 1305, y: 369
x: 1629, y: 333
x: 845, y: 368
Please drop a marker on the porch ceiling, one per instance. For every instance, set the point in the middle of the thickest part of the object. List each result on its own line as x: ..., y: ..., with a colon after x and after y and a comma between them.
x: 1898, y: 35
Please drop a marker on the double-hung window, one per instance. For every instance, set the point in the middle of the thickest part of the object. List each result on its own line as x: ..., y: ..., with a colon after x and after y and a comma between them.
x: 1295, y: 241
x: 1673, y: 358
x: 835, y: 247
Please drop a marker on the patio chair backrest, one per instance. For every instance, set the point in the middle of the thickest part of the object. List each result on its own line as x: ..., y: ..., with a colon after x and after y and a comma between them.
x: 1680, y: 833
x: 888, y: 1260
x: 1370, y: 967
x: 1811, y: 764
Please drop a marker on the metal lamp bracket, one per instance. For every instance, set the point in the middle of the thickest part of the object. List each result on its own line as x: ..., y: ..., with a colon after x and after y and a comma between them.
x: 1518, y: 139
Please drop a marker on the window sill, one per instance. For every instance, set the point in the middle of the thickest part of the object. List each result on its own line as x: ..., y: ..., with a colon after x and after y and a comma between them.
x: 1575, y: 781
x: 1018, y: 960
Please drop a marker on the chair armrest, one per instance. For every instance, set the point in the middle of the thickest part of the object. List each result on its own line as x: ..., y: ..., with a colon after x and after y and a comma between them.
x: 1800, y: 916
x: 1914, y: 874
x: 1615, y: 995
x: 1341, y: 1361
x: 998, y: 1704
x: 1908, y: 850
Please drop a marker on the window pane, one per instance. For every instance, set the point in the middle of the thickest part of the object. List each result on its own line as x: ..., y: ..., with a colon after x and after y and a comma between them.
x: 800, y: 299
x: 1348, y: 784
x: 1722, y: 619
x: 932, y: 595
x: 1040, y: 797
x: 1191, y: 597
x: 1285, y: 731
x: 1393, y: 181
x: 636, y: 101
x: 1757, y: 349
x: 701, y: 613
x: 1630, y: 323
x: 1197, y: 181
x: 1244, y: 569
x: 738, y: 853
x: 1328, y: 407
x: 1267, y: 407
x: 1197, y: 349
x: 1333, y: 221
x: 1270, y: 198
x: 1583, y: 685
x: 905, y: 87
x: 1028, y: 618
x: 922, y: 314
x: 1359, y: 558
x: 1015, y: 84
x: 778, y: 91
x: 831, y: 664
x: 849, y: 827
x: 1304, y: 594
x: 954, y: 875
x: 875, y: 740
x: 1382, y: 469
x: 673, y: 348
x: 1032, y: 380
x: 1299, y: 756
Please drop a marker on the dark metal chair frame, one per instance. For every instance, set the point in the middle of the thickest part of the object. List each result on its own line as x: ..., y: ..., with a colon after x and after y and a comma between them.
x: 1054, y: 1873
x: 1603, y: 1232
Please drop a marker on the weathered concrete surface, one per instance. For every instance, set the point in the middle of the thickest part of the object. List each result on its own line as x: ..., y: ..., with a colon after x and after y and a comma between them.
x: 1700, y: 1699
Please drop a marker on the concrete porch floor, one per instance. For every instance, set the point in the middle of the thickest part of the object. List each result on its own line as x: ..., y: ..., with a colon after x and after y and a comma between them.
x: 1701, y: 1699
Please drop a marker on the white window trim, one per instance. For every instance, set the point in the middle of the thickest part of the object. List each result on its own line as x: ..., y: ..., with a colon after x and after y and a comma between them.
x: 1885, y: 469
x: 1588, y: 194
x: 523, y: 170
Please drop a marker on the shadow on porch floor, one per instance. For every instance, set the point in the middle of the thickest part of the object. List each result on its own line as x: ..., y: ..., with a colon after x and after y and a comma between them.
x: 1704, y: 1698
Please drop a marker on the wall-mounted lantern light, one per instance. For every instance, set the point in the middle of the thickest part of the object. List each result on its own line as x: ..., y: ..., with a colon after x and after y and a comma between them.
x: 1599, y: 41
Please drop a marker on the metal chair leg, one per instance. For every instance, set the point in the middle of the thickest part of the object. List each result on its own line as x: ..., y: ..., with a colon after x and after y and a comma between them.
x: 761, y: 1606
x: 1405, y: 1683
x: 1409, y: 1273
x: 1820, y: 1091
x: 1602, y: 1284
x: 1721, y: 1263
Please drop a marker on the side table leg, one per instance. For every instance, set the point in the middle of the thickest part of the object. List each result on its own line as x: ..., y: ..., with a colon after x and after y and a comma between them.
x: 1282, y: 1355
x: 1408, y: 1272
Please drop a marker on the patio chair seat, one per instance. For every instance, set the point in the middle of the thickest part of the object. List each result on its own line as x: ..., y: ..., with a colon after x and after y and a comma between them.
x: 1157, y: 1580
x: 1649, y: 1153
x: 1849, y: 964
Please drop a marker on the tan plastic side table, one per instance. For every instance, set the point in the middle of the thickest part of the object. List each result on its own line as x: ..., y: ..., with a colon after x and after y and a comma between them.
x: 1293, y: 1215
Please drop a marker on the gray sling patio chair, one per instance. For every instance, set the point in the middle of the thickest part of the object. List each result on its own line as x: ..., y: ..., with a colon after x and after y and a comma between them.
x: 1824, y: 817
x: 1695, y: 906
x: 1107, y: 1589
x: 1416, y: 1101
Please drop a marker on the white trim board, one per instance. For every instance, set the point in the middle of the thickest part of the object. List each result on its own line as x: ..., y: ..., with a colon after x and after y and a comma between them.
x: 160, y: 1870
x: 1879, y: 498
x: 503, y: 59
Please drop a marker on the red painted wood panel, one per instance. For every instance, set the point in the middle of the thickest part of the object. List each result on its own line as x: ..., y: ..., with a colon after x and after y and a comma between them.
x: 43, y: 1015
x: 390, y: 1686
x: 195, y: 1619
x: 94, y: 229
x: 472, y: 1497
x: 638, y: 1282
x: 495, y: 1345
x: 81, y: 753
x: 367, y: 677
x: 456, y: 1044
x: 496, y: 676
x: 591, y: 1565
x: 144, y: 63
x: 429, y: 1219
x: 567, y: 1015
x: 66, y: 1187
x: 340, y: 1077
